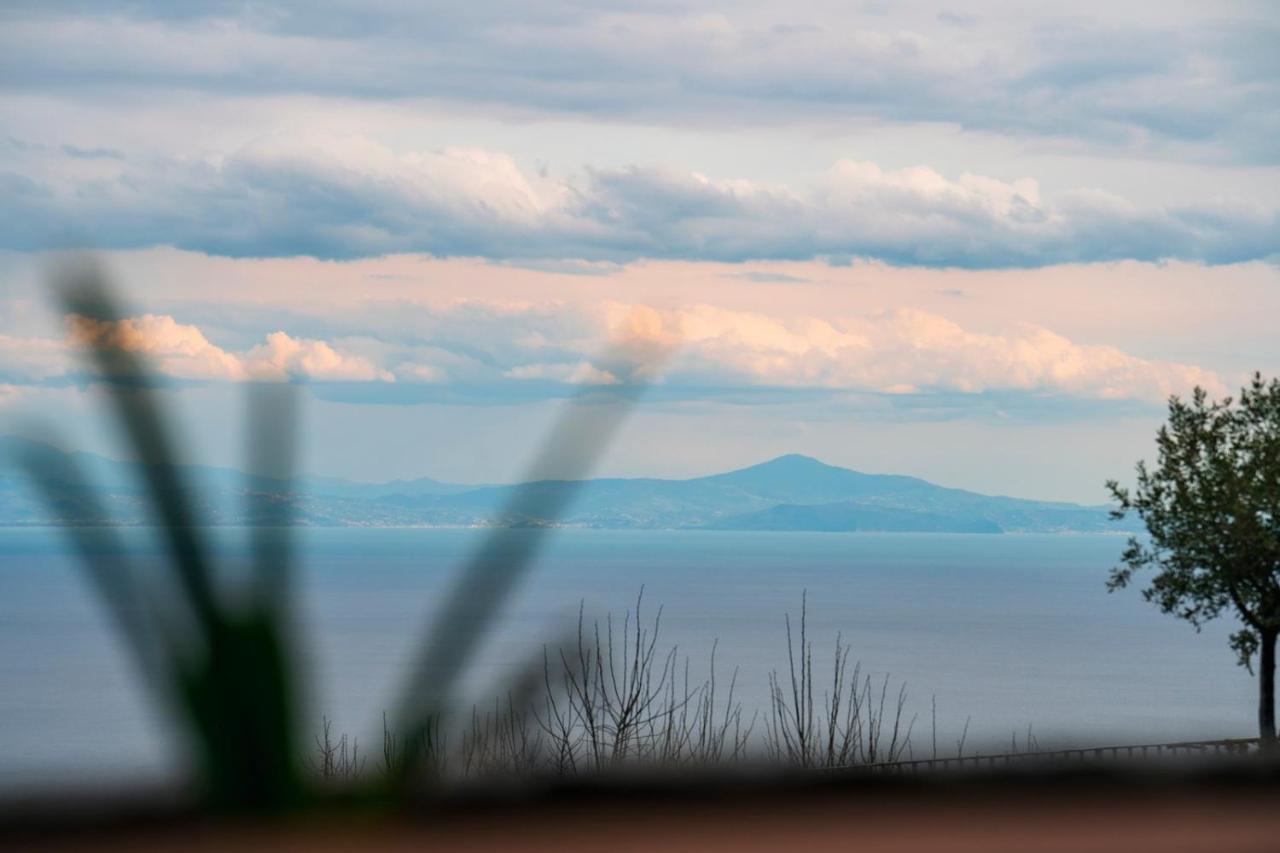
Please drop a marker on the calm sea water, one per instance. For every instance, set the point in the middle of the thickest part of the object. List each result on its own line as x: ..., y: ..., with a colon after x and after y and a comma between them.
x: 1007, y: 631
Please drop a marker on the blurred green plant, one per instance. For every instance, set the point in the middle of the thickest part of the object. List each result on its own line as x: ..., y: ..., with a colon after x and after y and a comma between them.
x: 223, y: 663
x: 222, y: 659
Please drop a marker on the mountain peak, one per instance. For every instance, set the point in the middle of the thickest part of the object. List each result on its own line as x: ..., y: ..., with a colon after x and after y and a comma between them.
x: 790, y: 465
x: 787, y: 472
x: 793, y: 460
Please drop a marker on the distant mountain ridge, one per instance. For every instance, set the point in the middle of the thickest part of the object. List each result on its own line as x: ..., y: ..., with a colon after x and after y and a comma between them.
x: 791, y: 492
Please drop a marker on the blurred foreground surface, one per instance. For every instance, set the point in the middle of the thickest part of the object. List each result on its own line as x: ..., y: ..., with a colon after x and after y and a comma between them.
x: 1229, y: 812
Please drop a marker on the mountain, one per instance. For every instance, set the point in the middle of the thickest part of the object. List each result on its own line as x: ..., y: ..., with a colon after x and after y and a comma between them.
x: 788, y: 493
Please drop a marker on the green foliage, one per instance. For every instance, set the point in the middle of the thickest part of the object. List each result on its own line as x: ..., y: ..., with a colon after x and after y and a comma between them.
x: 1211, y: 506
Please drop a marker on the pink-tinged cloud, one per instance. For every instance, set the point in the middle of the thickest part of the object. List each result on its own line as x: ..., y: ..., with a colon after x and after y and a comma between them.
x: 173, y: 348
x: 457, y: 330
x: 283, y: 356
x: 182, y: 351
x: 908, y: 350
x: 901, y: 351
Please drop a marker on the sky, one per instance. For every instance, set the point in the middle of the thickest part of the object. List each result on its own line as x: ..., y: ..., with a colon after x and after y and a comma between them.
x: 980, y: 243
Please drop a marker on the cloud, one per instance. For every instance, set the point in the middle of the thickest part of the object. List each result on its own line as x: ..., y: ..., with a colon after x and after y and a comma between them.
x: 29, y: 359
x: 581, y: 373
x: 1140, y: 79
x: 767, y: 277
x: 175, y: 349
x: 352, y: 197
x: 910, y: 351
x: 502, y: 349
x: 282, y: 357
x: 10, y: 394
x: 92, y: 153
x: 182, y: 351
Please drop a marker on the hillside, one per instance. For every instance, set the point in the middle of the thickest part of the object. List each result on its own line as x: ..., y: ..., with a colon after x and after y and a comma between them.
x: 788, y: 493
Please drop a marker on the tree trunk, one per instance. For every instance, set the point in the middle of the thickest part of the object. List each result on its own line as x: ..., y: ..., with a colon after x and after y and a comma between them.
x: 1267, y: 688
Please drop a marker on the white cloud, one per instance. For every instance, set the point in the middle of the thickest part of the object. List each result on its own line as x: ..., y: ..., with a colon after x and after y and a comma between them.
x: 580, y: 373
x: 1131, y: 75
x: 343, y: 197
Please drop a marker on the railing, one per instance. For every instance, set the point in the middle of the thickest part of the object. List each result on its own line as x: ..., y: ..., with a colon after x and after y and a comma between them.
x: 1127, y: 752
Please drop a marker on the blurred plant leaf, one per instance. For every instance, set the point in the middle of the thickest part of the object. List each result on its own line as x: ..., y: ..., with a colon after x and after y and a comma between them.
x: 488, y: 577
x: 225, y: 669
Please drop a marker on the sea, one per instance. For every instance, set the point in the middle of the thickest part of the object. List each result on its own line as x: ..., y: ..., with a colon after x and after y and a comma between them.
x: 1002, y: 640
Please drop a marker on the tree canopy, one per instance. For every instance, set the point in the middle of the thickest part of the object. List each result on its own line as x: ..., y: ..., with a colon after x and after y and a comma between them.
x: 1211, y: 506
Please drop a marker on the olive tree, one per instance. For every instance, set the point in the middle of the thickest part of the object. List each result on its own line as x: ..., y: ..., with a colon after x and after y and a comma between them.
x: 1211, y: 506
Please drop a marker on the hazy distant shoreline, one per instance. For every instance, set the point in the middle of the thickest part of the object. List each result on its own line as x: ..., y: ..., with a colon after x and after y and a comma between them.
x: 141, y: 525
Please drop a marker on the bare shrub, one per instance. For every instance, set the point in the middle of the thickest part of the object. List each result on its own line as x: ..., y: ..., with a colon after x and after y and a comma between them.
x: 849, y: 724
x: 336, y: 760
x: 613, y: 699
